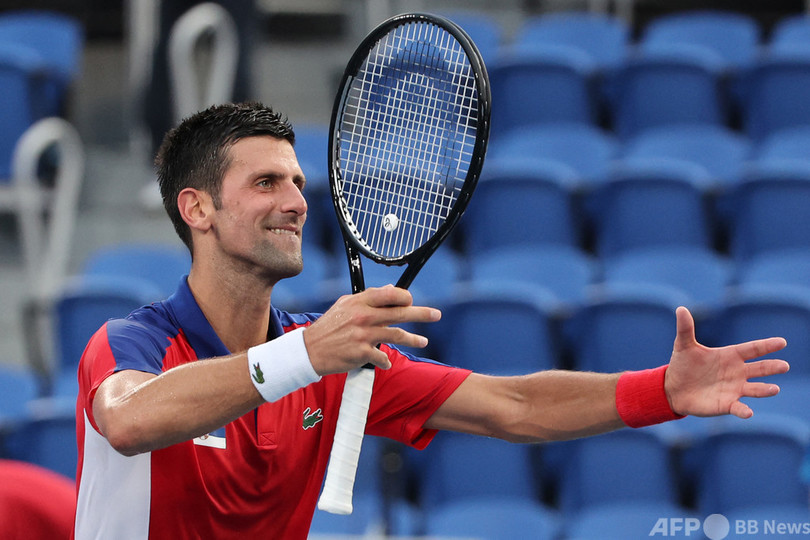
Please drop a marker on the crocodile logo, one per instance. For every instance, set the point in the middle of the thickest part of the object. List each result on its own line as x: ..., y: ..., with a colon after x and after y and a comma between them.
x: 258, y: 374
x: 311, y: 418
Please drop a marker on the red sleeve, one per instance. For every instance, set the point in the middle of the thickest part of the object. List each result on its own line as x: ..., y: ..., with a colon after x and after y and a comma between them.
x: 406, y: 395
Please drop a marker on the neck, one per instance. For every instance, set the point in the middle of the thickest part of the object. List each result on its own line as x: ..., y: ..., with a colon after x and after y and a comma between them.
x: 237, y: 307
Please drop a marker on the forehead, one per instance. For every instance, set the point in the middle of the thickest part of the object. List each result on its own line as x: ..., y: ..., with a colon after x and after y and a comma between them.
x: 261, y: 149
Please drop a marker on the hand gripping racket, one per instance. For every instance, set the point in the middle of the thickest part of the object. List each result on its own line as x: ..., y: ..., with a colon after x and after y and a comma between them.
x: 407, y: 141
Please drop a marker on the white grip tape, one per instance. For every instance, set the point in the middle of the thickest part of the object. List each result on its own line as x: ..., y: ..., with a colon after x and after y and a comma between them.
x: 337, y: 490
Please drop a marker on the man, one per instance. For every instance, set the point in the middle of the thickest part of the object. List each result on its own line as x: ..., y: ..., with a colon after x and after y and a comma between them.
x: 157, y: 387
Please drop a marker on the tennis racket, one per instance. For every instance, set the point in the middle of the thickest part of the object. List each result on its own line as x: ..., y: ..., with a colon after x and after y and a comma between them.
x: 407, y: 141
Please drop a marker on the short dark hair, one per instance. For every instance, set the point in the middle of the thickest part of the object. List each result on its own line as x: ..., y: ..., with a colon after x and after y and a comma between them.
x: 195, y: 153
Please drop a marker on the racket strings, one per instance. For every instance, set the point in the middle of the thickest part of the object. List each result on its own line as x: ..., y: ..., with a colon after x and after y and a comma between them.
x: 407, y: 136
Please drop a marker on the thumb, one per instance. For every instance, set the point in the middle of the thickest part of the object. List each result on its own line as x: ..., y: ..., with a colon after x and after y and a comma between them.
x: 685, y: 329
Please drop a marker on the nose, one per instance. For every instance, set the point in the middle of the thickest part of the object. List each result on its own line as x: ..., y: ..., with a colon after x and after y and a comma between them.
x: 293, y: 199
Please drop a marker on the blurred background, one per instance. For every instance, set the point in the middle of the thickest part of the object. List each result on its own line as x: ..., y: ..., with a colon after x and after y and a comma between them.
x: 644, y: 154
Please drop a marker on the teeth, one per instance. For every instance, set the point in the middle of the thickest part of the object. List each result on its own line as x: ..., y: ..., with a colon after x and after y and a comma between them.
x: 282, y: 231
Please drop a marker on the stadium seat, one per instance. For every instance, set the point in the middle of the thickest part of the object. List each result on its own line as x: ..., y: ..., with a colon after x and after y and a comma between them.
x: 160, y: 264
x: 735, y: 37
x: 19, y: 107
x: 721, y: 151
x: 81, y: 308
x: 625, y: 327
x: 545, y: 86
x: 790, y: 33
x: 486, y: 32
x: 47, y: 436
x: 703, y: 274
x: 659, y: 86
x: 768, y: 212
x: 652, y: 203
x: 527, y: 195
x: 597, y: 471
x: 461, y: 467
x: 588, y: 150
x: 774, y: 91
x: 785, y: 267
x: 623, y: 520
x: 604, y: 38
x: 18, y: 386
x: 765, y: 310
x: 749, y: 463
x: 59, y: 41
x: 567, y: 272
x: 503, y: 329
x: 492, y: 518
x: 786, y: 148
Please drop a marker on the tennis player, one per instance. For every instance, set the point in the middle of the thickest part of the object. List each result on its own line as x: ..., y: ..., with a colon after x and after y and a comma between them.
x: 212, y: 414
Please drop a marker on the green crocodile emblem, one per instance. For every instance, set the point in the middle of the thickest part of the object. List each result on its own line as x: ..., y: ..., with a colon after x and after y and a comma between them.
x: 258, y: 375
x: 311, y: 418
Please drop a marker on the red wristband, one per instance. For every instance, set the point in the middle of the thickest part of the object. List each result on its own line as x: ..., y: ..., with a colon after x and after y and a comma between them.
x: 641, y: 400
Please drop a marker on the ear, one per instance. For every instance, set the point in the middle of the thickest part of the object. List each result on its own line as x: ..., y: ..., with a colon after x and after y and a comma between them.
x: 196, y: 209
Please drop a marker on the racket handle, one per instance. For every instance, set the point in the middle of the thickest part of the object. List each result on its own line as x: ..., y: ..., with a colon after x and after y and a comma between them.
x: 336, y: 497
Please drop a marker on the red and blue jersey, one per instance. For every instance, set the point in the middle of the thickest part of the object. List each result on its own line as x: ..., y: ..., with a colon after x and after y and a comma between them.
x: 257, y: 477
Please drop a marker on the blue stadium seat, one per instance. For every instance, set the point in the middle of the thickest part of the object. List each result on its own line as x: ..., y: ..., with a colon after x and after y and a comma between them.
x: 22, y: 96
x: 486, y: 32
x: 652, y: 203
x: 768, y: 212
x: 783, y: 267
x: 588, y: 150
x: 676, y: 84
x: 604, y: 38
x: 625, y: 327
x: 623, y: 520
x: 59, y: 41
x: 18, y: 386
x: 462, y: 467
x: 597, y: 471
x: 492, y: 518
x: 545, y: 86
x: 786, y: 148
x: 721, y: 151
x: 735, y: 37
x: 47, y: 436
x: 160, y: 264
x: 774, y: 91
x: 749, y: 463
x: 525, y: 195
x: 81, y: 308
x: 567, y: 272
x: 790, y: 33
x: 502, y: 329
x: 703, y: 274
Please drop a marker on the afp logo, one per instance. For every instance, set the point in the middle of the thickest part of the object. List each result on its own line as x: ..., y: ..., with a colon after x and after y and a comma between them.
x: 715, y: 527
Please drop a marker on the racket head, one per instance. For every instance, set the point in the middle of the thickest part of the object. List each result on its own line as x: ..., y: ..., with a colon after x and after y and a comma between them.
x: 408, y: 137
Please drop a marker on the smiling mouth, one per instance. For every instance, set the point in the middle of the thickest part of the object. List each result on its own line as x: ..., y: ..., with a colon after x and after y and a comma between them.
x: 284, y: 232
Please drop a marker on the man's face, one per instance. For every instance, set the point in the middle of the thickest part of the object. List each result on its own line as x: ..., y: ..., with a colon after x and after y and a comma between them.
x: 262, y: 210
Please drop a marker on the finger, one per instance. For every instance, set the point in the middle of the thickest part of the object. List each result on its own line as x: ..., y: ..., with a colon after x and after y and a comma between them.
x: 760, y: 347
x: 760, y: 390
x: 741, y: 410
x: 409, y: 314
x: 685, y: 329
x: 399, y: 336
x: 387, y: 295
x: 765, y: 368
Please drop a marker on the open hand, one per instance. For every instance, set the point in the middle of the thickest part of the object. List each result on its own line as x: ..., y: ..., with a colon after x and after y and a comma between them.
x: 706, y: 381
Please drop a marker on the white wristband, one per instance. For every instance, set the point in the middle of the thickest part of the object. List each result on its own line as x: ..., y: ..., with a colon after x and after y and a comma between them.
x: 281, y: 366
